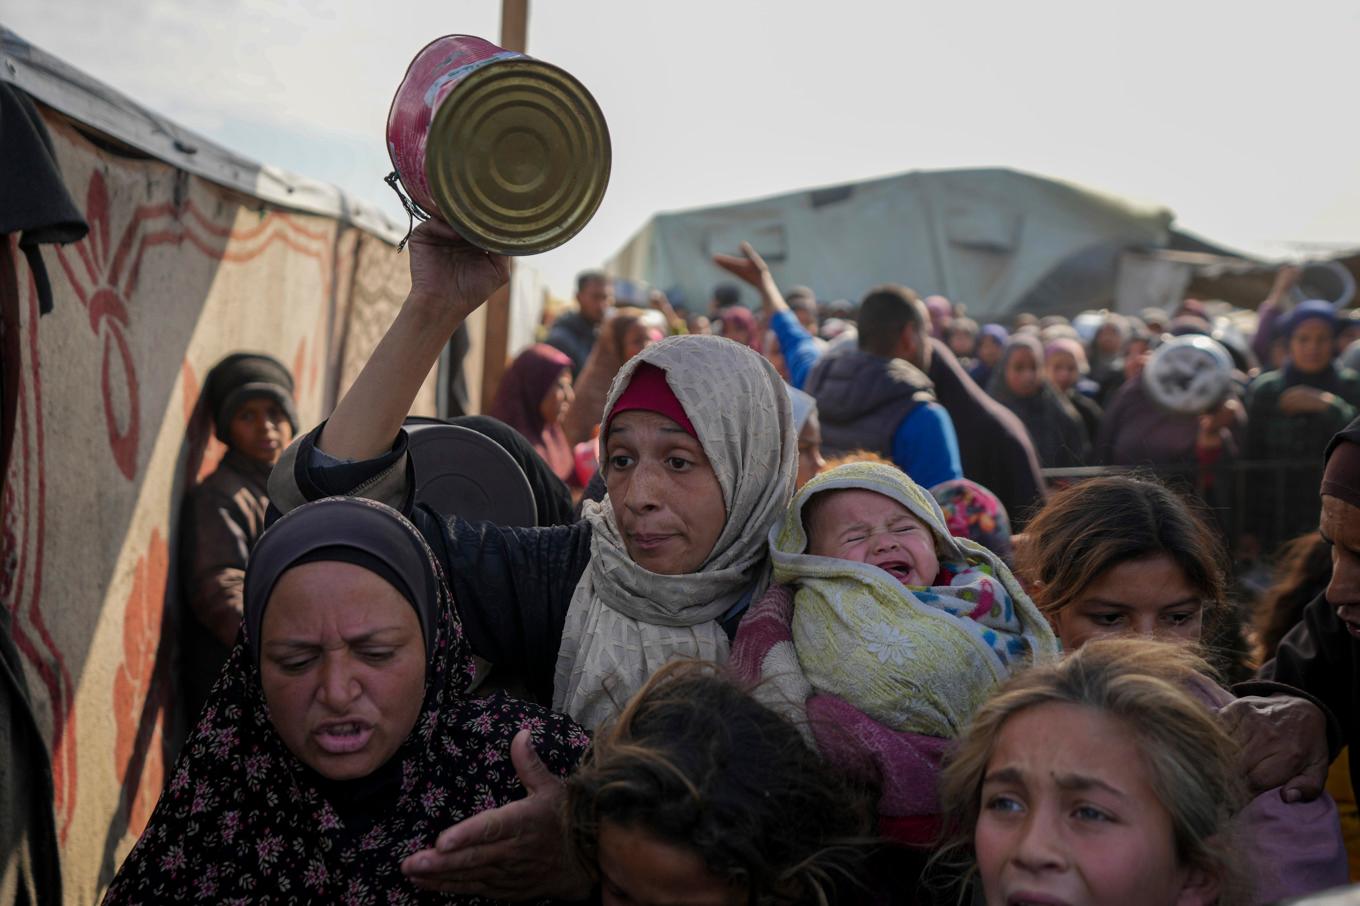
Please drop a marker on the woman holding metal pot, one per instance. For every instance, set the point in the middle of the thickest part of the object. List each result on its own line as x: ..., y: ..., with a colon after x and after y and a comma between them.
x: 699, y: 462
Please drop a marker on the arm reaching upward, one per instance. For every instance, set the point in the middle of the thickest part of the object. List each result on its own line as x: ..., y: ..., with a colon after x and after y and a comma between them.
x: 752, y: 269
x: 450, y: 278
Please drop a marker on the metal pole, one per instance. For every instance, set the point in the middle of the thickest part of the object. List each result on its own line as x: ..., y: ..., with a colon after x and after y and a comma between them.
x: 496, y: 337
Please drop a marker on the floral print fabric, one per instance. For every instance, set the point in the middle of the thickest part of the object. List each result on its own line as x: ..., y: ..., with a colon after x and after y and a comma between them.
x: 243, y: 821
x: 972, y: 511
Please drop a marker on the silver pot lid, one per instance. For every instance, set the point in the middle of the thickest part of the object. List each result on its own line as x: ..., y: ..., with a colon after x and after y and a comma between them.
x: 1189, y: 375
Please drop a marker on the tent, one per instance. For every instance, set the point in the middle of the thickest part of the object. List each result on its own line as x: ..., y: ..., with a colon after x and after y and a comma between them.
x: 997, y: 240
x: 192, y: 252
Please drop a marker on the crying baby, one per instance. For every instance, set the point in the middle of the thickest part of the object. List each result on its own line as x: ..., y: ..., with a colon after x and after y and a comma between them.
x: 891, y: 613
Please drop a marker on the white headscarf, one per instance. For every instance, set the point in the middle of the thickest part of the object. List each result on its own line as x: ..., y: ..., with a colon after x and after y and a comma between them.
x: 624, y: 621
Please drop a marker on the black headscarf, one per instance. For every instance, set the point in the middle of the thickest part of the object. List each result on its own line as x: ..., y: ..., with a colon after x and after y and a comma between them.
x: 1053, y: 423
x: 994, y: 445
x: 34, y: 200
x: 363, y: 535
x: 244, y: 376
x: 242, y: 819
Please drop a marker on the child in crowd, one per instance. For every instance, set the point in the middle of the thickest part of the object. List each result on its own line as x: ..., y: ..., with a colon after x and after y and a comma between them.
x: 909, y: 625
x: 697, y: 793
x: 249, y: 396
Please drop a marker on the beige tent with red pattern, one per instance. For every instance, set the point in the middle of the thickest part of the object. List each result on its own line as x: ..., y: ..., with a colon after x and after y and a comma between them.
x: 192, y: 253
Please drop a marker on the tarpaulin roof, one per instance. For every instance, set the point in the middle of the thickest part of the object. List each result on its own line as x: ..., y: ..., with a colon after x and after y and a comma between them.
x: 998, y: 240
x: 89, y: 101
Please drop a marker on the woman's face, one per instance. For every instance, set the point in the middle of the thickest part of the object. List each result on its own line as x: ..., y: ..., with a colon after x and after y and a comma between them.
x: 637, y: 338
x: 260, y: 429
x: 1310, y: 346
x: 962, y: 343
x: 1062, y: 370
x: 1148, y: 598
x: 1069, y: 815
x: 342, y: 663
x: 1135, y: 359
x: 989, y: 350
x: 810, y: 462
x: 1022, y: 372
x: 558, y: 399
x: 637, y: 869
x: 1108, y: 340
x: 666, y: 498
x: 735, y: 330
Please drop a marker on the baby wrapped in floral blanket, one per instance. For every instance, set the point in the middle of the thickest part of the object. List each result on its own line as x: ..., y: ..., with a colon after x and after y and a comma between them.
x: 909, y: 625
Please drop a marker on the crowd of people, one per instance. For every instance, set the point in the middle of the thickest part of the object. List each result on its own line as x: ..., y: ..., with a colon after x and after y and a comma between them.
x: 802, y: 619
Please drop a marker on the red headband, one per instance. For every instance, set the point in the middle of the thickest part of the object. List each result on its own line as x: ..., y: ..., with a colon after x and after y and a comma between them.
x: 648, y: 391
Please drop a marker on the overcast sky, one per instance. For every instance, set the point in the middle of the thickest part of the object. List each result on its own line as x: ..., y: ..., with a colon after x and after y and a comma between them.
x: 1236, y: 115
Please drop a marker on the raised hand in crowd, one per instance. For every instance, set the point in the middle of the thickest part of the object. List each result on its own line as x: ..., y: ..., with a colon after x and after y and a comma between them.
x: 661, y: 303
x: 1212, y: 425
x: 446, y: 267
x: 1285, y: 279
x: 750, y: 268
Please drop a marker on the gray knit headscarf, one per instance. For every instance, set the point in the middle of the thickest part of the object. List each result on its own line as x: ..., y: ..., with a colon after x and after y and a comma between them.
x: 625, y: 622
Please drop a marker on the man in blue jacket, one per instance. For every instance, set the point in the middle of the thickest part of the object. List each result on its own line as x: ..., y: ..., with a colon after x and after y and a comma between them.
x: 876, y: 397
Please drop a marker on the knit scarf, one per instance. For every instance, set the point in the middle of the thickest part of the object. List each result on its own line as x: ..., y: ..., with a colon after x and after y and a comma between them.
x: 624, y: 621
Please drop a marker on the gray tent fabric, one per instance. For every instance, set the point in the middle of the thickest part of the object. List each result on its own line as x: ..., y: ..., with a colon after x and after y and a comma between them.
x: 997, y: 240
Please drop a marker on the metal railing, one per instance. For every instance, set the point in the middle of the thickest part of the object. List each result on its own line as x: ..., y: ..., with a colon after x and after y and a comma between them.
x: 1257, y: 504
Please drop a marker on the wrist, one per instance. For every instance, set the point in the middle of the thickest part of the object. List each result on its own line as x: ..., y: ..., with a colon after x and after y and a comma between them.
x: 435, y: 311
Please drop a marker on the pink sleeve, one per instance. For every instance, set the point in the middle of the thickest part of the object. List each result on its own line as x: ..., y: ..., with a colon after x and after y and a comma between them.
x: 906, y: 765
x: 1292, y: 848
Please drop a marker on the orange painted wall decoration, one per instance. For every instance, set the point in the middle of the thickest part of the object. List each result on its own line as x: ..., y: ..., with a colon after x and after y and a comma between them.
x: 109, y: 432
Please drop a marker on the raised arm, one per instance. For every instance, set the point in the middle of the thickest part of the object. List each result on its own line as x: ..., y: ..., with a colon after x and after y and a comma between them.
x: 752, y: 269
x: 801, y: 351
x: 450, y: 278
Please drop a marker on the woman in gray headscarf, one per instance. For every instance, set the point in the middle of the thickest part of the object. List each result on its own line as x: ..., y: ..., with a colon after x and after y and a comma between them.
x: 699, y: 463
x: 699, y: 455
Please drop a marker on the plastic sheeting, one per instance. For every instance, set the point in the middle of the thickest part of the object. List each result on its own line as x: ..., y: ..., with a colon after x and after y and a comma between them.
x: 996, y: 240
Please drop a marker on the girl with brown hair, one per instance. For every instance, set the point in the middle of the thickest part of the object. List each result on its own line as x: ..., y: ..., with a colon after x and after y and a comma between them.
x: 699, y: 790
x: 1098, y: 780
x: 1120, y: 557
